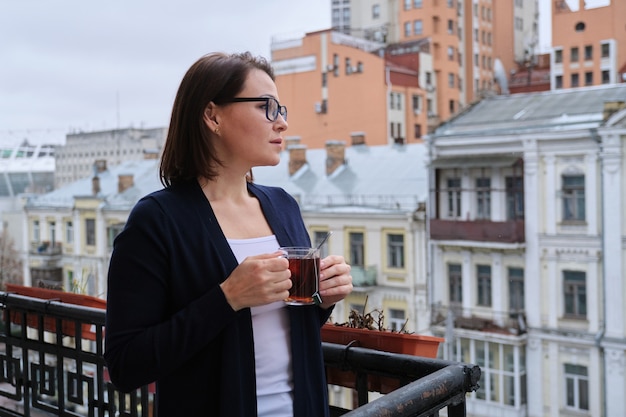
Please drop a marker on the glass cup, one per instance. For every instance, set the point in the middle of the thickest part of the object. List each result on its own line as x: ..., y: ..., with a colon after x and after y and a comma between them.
x: 304, y: 264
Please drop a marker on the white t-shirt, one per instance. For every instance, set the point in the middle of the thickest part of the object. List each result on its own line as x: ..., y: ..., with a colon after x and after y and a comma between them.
x: 272, y: 341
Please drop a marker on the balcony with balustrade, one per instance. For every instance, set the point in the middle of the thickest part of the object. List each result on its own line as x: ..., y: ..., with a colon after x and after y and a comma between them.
x: 52, y: 364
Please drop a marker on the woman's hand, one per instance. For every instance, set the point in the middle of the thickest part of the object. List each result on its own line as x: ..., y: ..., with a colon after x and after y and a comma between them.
x: 335, y: 280
x: 258, y: 280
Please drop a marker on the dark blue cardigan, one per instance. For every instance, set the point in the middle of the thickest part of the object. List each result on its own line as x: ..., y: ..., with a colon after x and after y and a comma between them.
x: 168, y: 320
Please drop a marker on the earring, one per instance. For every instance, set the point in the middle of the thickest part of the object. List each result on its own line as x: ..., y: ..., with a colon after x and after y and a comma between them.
x: 217, y: 131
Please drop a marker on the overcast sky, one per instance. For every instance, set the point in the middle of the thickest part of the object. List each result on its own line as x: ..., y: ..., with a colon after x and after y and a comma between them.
x: 68, y: 65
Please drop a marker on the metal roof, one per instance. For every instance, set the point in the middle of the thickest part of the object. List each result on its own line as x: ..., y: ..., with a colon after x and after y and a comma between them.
x: 567, y: 109
x: 388, y: 178
x: 392, y: 177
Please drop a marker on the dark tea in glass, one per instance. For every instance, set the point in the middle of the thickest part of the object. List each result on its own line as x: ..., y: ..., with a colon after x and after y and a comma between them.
x: 304, y: 264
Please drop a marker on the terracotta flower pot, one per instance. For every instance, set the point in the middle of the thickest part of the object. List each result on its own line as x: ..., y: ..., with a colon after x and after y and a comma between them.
x: 49, y: 323
x: 387, y: 341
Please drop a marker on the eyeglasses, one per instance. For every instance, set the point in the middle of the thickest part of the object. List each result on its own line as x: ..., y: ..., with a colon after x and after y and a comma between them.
x: 272, y: 106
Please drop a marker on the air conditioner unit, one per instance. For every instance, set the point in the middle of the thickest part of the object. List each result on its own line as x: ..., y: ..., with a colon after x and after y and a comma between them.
x: 321, y: 107
x: 417, y: 111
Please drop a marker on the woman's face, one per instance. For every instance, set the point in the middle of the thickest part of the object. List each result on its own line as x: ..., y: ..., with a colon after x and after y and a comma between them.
x: 246, y: 137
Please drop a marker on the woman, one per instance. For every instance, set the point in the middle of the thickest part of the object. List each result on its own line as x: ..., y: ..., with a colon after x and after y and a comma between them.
x: 196, y: 282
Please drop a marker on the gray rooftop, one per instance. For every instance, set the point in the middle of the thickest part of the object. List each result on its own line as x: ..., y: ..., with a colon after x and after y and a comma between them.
x: 145, y: 179
x: 567, y: 109
x: 388, y: 178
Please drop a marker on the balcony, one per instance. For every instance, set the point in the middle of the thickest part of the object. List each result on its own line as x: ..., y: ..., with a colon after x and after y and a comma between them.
x: 478, y: 230
x: 50, y: 368
x: 363, y: 276
x: 46, y: 248
x: 510, y: 323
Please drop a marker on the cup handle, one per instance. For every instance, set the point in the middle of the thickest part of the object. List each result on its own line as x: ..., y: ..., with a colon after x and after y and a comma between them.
x: 317, y: 298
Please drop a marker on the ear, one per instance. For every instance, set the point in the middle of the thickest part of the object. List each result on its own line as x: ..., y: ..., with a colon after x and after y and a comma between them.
x: 211, y: 117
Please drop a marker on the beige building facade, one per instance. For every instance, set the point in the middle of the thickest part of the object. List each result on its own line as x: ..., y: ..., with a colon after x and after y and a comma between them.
x: 588, y: 43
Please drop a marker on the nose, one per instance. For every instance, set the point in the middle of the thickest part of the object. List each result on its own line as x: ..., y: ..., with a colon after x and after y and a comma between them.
x: 280, y: 123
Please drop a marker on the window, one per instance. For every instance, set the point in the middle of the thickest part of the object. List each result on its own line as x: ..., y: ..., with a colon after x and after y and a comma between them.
x: 455, y: 281
x: 407, y: 4
x: 450, y: 27
x: 451, y: 78
x: 454, y: 197
x: 417, y: 4
x: 376, y: 11
x: 514, y: 198
x: 573, y: 193
x: 558, y: 56
x: 417, y: 131
x: 451, y: 106
x: 397, y: 320
x: 407, y: 29
x: 588, y: 52
x: 605, y: 50
x: 450, y: 53
x: 483, y: 280
x: 357, y: 248
x: 483, y: 198
x: 318, y: 236
x: 418, y: 27
x: 606, y: 77
x: 575, y: 294
x: 69, y: 232
x: 576, y: 387
x: 395, y: 250
x: 36, y: 231
x: 112, y: 232
x: 574, y: 54
x: 392, y: 101
x: 52, y: 232
x: 575, y: 81
x: 516, y: 290
x: 417, y: 103
x: 588, y: 78
x: 90, y: 232
x: 558, y: 81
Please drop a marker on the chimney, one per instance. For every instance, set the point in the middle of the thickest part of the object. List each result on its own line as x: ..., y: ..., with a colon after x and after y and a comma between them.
x: 611, y: 107
x: 358, y: 138
x: 335, y: 155
x: 124, y: 182
x: 297, y: 157
x: 95, y: 185
x: 291, y: 140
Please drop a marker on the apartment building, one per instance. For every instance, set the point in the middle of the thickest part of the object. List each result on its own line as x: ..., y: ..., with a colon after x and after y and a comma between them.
x: 339, y: 87
x: 526, y: 251
x: 69, y: 232
x: 588, y: 43
x: 472, y: 43
x: 75, y: 159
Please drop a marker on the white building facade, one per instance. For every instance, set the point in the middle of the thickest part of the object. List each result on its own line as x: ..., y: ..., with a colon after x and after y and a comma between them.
x: 527, y: 242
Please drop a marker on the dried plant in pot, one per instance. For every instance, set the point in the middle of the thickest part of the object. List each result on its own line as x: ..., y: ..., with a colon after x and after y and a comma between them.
x: 367, y: 330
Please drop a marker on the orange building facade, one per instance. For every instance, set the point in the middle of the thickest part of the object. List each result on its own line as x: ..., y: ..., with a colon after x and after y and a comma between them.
x: 341, y: 88
x: 588, y: 43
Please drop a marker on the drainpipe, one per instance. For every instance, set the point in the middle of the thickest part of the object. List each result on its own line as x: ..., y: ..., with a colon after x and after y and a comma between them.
x: 600, y: 335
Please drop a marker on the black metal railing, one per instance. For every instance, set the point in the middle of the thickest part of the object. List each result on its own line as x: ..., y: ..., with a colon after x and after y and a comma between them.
x: 52, y: 364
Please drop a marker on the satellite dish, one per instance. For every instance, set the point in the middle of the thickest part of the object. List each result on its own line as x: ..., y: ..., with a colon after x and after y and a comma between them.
x: 500, y: 76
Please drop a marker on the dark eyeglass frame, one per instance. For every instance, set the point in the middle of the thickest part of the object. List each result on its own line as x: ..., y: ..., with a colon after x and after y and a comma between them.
x: 282, y: 110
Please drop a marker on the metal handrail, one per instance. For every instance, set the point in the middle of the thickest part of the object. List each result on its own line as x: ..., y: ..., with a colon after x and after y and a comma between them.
x: 50, y: 365
x: 431, y: 384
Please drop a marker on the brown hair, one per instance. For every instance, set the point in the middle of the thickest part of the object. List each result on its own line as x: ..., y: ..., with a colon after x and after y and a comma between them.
x: 189, y: 151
